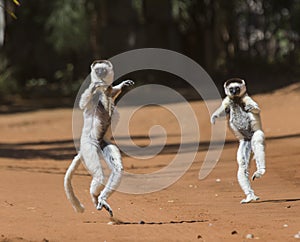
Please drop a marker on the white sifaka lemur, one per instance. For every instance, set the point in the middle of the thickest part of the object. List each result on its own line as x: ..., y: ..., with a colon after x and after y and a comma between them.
x: 97, y: 103
x: 244, y: 121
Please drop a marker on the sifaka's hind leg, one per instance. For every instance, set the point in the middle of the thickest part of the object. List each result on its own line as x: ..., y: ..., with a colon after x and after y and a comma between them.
x: 243, y: 158
x: 258, y: 148
x: 96, y: 187
x: 92, y: 163
x: 113, y: 159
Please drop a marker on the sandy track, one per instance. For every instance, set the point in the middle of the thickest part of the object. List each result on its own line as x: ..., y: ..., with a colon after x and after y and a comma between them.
x: 36, y: 148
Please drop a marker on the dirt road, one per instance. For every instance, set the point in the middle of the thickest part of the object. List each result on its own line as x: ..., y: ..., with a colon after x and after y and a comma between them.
x: 37, y: 147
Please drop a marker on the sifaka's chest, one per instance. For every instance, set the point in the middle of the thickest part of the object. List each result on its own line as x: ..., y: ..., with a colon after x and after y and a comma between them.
x: 105, y: 106
x: 240, y: 120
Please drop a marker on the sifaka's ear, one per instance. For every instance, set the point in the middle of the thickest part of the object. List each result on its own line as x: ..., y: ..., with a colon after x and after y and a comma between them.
x: 94, y: 63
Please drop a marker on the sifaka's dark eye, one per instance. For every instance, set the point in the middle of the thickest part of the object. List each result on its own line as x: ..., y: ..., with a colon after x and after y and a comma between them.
x: 231, y: 89
x: 237, y: 89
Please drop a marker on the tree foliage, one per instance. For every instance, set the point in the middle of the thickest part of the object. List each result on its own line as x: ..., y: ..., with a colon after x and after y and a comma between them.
x: 67, y: 26
x: 55, y: 41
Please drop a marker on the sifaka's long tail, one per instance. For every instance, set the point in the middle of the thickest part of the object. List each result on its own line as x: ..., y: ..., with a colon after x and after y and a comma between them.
x: 68, y: 186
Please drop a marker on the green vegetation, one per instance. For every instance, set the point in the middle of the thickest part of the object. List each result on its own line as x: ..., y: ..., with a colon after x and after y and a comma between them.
x: 50, y: 44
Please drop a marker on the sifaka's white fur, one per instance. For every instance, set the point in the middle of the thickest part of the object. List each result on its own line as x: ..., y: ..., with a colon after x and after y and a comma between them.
x: 97, y: 103
x: 244, y: 121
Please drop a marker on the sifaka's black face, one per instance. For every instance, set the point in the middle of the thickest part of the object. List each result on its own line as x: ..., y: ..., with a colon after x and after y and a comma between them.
x: 235, y: 87
x: 102, y: 71
x: 101, y: 68
x: 235, y: 91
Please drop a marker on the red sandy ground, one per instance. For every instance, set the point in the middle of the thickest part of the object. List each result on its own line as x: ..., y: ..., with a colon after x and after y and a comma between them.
x: 36, y: 149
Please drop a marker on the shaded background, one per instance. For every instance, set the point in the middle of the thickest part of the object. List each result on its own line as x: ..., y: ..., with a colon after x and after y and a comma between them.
x: 48, y: 48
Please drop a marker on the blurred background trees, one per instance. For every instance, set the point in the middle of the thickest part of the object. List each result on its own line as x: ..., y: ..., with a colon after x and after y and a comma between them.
x: 49, y: 47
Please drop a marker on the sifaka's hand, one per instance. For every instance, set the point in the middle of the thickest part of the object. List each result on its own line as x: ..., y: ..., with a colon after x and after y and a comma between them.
x: 213, y: 119
x: 258, y: 174
x: 252, y: 108
x: 127, y: 83
x: 96, y: 86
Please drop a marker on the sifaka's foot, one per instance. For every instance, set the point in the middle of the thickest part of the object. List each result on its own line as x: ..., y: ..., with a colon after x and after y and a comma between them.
x: 258, y: 174
x: 250, y: 197
x: 103, y: 204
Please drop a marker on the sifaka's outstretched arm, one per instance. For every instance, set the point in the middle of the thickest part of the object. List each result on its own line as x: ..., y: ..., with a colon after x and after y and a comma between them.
x: 221, y: 111
x: 116, y: 90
